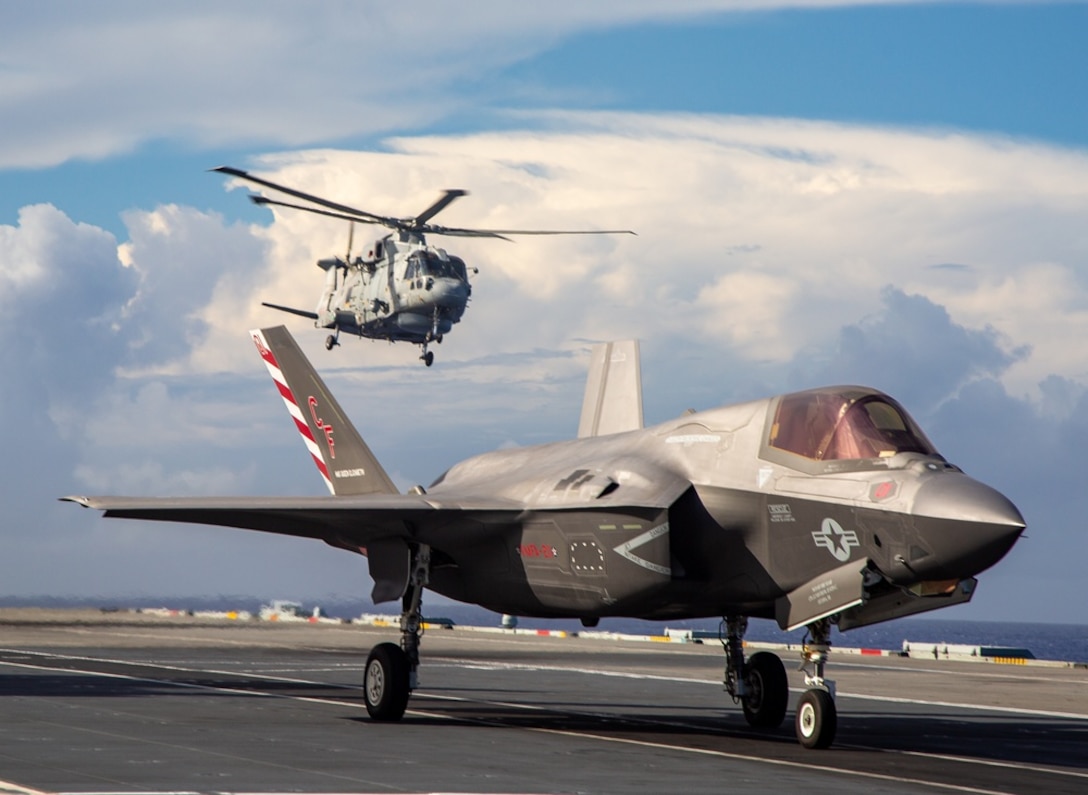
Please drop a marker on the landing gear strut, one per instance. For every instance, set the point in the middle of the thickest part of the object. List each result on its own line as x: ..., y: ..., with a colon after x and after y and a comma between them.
x: 432, y: 336
x: 817, y: 719
x: 758, y: 683
x: 332, y: 340
x: 392, y: 671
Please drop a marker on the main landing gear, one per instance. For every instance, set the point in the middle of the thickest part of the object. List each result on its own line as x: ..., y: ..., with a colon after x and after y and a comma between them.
x: 759, y: 684
x: 428, y: 356
x: 332, y: 340
x: 432, y: 336
x: 391, y: 672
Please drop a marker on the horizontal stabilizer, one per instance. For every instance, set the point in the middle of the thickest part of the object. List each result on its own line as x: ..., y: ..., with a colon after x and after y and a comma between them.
x: 613, y: 396
x: 292, y: 310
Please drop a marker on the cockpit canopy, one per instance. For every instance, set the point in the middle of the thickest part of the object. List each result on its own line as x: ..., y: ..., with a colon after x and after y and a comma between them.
x: 428, y: 263
x: 844, y: 424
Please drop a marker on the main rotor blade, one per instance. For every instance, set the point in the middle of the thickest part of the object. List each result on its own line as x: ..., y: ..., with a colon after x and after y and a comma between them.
x: 450, y: 231
x: 432, y: 229
x: 448, y: 197
x: 265, y: 200
x: 379, y: 219
x: 560, y: 231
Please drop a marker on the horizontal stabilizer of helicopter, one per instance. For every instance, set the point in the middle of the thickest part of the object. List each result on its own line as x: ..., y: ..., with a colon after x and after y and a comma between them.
x: 292, y: 310
x: 613, y: 398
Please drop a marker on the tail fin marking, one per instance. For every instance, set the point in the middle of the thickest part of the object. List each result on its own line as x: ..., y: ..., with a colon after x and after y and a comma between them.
x: 342, y: 457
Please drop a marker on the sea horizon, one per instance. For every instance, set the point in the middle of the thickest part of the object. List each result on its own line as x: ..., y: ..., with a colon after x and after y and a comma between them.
x: 1063, y: 642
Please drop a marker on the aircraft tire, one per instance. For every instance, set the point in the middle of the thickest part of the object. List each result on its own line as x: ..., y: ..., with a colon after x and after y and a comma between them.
x: 330, y: 341
x: 767, y: 691
x: 385, y: 682
x: 428, y: 358
x: 817, y: 719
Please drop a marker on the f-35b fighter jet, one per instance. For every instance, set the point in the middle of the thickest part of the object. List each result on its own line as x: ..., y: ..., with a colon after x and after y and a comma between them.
x: 815, y: 508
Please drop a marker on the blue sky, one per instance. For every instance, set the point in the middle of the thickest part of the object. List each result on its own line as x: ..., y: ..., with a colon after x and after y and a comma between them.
x: 1005, y: 68
x: 888, y: 193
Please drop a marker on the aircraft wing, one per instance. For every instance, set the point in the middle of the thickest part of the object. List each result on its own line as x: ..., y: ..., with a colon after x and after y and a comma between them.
x: 342, y: 521
x: 381, y: 526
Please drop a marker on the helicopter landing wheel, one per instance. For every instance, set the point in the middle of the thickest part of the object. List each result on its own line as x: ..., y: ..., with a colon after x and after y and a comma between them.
x: 331, y: 342
x: 428, y: 358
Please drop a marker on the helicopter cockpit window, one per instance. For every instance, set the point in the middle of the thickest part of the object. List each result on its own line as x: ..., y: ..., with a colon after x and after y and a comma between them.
x: 427, y: 263
x: 833, y: 425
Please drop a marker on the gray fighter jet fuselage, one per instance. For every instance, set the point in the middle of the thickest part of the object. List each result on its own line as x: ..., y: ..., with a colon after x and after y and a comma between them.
x: 721, y: 522
x: 827, y: 506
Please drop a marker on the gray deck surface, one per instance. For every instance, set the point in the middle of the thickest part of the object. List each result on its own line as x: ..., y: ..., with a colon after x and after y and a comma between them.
x: 116, y: 703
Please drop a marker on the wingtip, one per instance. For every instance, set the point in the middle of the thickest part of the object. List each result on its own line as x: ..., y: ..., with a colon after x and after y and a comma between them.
x: 84, y: 501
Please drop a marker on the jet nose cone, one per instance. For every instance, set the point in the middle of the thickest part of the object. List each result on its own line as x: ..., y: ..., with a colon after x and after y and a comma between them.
x: 968, y: 525
x: 957, y: 497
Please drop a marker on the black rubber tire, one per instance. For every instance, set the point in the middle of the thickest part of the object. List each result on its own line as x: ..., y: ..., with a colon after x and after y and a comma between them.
x: 817, y: 719
x: 768, y: 691
x: 428, y: 358
x: 385, y: 682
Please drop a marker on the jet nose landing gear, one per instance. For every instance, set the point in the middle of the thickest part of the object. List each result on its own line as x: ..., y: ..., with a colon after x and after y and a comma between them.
x: 817, y: 719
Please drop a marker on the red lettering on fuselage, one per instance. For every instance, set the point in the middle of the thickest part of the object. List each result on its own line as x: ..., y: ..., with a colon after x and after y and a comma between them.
x: 533, y: 551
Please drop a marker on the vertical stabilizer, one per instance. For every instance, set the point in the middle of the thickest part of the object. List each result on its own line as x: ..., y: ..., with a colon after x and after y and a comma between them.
x: 613, y: 398
x: 342, y: 457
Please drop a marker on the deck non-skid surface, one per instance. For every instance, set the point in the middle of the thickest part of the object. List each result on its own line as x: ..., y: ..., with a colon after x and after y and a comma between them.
x: 101, y: 704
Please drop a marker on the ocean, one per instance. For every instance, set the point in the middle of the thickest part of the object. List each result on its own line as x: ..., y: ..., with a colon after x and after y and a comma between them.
x: 1064, y: 642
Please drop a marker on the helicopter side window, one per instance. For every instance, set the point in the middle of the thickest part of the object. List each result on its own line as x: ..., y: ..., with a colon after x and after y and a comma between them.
x: 832, y: 426
x: 457, y: 268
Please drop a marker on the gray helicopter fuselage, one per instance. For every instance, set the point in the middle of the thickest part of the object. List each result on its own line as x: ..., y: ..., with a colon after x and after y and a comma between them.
x: 404, y: 291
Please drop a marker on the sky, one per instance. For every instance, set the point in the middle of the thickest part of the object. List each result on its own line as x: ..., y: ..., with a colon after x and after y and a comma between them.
x: 886, y: 193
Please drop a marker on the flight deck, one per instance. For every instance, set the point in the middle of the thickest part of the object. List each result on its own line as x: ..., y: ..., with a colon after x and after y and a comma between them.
x: 115, y: 703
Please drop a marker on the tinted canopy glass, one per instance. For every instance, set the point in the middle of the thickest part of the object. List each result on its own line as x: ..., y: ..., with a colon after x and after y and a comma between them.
x: 844, y: 424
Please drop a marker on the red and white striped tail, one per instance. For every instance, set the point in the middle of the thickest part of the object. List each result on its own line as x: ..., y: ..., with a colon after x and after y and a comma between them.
x: 292, y: 406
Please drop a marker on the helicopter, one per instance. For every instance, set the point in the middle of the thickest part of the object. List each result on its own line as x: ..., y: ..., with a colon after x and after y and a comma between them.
x: 403, y: 290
